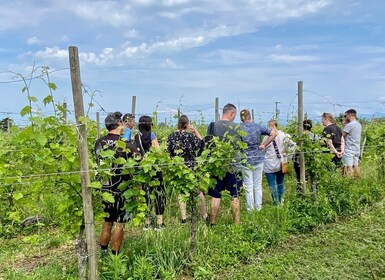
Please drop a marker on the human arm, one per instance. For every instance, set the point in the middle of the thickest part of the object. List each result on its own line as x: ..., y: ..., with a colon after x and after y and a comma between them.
x: 154, y: 140
x: 195, y: 131
x: 340, y: 154
x: 270, y: 139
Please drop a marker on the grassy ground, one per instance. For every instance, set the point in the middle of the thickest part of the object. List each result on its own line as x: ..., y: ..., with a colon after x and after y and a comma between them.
x: 349, y: 249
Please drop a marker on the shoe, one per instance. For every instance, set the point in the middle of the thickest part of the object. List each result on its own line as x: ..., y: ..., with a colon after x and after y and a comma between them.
x: 147, y: 227
x: 183, y: 221
x: 160, y: 227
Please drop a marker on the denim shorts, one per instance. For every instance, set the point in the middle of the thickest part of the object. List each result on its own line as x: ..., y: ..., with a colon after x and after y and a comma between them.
x: 232, y: 182
x: 349, y: 159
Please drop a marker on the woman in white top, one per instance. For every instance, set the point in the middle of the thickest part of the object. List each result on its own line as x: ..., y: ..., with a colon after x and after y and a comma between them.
x: 276, y: 152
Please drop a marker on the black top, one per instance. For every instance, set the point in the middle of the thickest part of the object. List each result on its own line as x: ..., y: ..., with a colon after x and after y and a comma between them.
x: 334, y: 133
x: 108, y: 142
x: 185, y: 145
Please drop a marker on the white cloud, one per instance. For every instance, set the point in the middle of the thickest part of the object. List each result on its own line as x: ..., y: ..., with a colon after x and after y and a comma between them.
x: 173, y: 44
x: 34, y: 41
x: 109, y: 12
x: 370, y: 49
x: 287, y: 58
x: 54, y: 52
x: 170, y: 64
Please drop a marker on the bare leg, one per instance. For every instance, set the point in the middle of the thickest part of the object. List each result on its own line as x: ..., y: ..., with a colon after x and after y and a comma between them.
x: 183, y: 212
x: 236, y: 210
x: 117, y: 237
x: 215, y: 204
x: 357, y: 171
x: 202, y: 205
x: 105, y: 235
x: 351, y: 171
x: 159, y: 219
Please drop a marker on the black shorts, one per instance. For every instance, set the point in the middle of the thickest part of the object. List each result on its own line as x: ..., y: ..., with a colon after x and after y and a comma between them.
x: 231, y: 182
x: 115, y: 210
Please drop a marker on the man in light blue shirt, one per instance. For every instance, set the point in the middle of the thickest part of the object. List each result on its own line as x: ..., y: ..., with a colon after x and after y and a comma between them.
x: 352, y: 135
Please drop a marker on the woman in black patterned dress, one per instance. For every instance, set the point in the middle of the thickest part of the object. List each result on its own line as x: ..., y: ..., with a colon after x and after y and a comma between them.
x: 186, y: 142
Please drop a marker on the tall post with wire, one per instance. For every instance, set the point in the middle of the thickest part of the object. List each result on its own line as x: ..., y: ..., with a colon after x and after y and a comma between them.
x: 84, y: 168
x: 133, y: 108
x: 216, y: 109
x: 276, y: 110
x: 300, y: 141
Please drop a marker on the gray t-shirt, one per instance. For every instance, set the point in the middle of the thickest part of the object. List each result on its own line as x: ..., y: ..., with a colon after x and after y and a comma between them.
x: 353, y: 137
x: 219, y: 128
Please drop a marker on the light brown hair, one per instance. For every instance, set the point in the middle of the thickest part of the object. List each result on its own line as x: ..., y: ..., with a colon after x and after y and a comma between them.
x: 329, y: 117
x: 245, y: 115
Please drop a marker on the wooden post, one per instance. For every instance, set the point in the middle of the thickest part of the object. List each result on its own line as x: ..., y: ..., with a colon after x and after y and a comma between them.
x: 98, y: 124
x: 252, y: 114
x: 300, y: 142
x: 133, y: 108
x: 84, y: 168
x: 216, y: 109
x: 65, y: 112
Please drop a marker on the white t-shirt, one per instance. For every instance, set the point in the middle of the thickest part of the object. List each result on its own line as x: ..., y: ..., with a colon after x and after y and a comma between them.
x: 272, y: 163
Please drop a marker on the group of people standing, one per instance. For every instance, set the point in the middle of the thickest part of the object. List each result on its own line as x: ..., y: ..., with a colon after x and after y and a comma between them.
x: 262, y: 156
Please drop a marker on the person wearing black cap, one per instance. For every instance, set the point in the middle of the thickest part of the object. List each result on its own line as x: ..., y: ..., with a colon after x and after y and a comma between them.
x: 114, y: 210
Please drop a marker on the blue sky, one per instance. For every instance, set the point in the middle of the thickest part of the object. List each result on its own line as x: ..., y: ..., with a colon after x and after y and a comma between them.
x: 168, y: 52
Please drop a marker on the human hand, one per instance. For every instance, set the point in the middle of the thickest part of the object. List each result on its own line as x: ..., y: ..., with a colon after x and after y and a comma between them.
x: 190, y: 127
x: 261, y: 147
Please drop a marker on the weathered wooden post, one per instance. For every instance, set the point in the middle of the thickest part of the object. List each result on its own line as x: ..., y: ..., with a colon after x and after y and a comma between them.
x: 300, y: 142
x: 92, y: 252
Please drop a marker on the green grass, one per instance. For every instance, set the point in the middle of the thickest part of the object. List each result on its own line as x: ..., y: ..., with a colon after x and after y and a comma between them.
x: 256, y: 247
x: 349, y: 249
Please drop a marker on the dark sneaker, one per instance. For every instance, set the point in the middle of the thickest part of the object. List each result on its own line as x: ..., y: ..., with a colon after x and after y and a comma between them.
x: 184, y: 221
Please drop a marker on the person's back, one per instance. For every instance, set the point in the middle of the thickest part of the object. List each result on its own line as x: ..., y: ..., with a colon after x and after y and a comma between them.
x: 185, y: 145
x: 353, y: 137
x: 230, y: 181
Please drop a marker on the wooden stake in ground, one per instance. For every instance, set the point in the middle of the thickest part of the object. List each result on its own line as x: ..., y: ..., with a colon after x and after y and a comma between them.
x: 84, y: 168
x: 216, y: 109
x: 300, y: 142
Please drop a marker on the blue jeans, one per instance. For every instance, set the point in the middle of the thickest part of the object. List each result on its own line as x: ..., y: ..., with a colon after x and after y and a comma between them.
x: 275, y: 181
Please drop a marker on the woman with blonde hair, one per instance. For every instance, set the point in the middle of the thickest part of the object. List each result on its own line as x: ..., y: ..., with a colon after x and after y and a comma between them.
x: 334, y: 138
x: 276, y: 153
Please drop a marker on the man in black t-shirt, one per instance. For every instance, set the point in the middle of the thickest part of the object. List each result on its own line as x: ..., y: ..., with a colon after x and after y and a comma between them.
x: 114, y: 210
x: 333, y: 134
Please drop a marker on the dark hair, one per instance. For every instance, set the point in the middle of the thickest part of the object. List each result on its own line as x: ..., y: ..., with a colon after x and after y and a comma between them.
x: 112, y: 120
x: 351, y: 112
x: 145, y: 123
x: 228, y: 107
x: 144, y: 143
x: 127, y: 117
x: 183, y: 122
x: 307, y: 124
